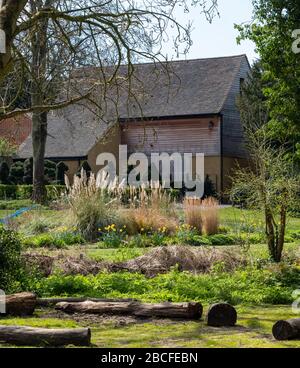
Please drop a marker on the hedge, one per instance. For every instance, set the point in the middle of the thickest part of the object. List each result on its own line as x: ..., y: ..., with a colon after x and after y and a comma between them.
x: 25, y: 191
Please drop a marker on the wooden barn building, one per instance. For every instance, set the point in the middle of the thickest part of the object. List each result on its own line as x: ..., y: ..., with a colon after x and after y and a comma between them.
x: 191, y: 108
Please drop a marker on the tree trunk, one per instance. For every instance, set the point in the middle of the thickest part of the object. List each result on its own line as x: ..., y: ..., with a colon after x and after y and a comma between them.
x: 221, y: 314
x: 22, y: 304
x: 9, y: 13
x: 48, y: 302
x: 280, y: 244
x: 287, y: 330
x: 38, y: 94
x: 29, y: 336
x: 163, y: 310
x: 270, y: 233
x: 39, y: 137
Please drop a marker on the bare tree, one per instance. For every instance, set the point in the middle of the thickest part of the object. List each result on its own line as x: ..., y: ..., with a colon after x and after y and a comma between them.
x: 52, y: 38
x: 272, y: 183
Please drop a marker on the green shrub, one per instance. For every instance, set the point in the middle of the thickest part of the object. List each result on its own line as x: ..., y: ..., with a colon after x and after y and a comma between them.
x: 16, y: 173
x: 140, y: 241
x: 70, y: 238
x: 53, y: 240
x: 223, y: 239
x: 43, y: 241
x: 10, y: 259
x: 201, y: 240
x: 7, y: 191
x: 4, y: 172
x: 25, y: 191
x: 248, y: 286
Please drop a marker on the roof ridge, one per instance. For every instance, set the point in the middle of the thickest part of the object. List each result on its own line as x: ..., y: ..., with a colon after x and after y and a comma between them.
x: 172, y: 61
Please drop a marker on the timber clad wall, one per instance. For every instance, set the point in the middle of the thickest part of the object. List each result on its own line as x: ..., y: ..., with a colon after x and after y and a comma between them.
x: 233, y: 138
x: 201, y: 135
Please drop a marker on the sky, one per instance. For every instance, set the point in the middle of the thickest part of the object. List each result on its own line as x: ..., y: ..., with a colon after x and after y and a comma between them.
x: 219, y: 37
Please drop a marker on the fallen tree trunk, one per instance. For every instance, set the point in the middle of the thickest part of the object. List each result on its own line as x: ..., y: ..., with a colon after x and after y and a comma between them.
x: 163, y: 310
x: 22, y: 304
x: 287, y: 330
x: 29, y: 336
x: 48, y: 302
x: 221, y: 315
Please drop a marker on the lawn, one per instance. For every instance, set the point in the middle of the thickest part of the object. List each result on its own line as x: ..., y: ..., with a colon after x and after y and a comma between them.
x: 253, y: 330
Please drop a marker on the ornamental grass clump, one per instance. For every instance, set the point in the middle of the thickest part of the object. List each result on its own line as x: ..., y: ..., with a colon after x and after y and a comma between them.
x: 150, y: 210
x: 90, y: 206
x: 202, y: 215
x: 193, y: 214
x: 210, y: 216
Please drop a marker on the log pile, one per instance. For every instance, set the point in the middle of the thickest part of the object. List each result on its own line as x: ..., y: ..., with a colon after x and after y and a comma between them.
x: 190, y: 311
x: 287, y: 330
x: 29, y: 336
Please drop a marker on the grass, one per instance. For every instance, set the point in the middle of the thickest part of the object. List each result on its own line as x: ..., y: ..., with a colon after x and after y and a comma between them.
x: 233, y: 217
x: 253, y: 330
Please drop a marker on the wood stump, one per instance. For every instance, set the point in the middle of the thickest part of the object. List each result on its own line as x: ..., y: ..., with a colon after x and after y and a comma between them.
x: 221, y: 315
x: 22, y: 304
x: 287, y: 330
x: 29, y: 336
x: 162, y: 310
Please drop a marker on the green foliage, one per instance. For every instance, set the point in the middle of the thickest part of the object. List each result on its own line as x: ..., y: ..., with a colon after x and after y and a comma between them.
x: 28, y: 171
x: 4, y: 173
x: 248, y: 286
x: 7, y: 149
x: 209, y: 188
x: 113, y: 237
x: 24, y: 192
x: 140, y: 241
x: 271, y: 31
x: 53, y: 240
x: 16, y: 173
x: 10, y: 259
x: 50, y: 171
x: 61, y: 169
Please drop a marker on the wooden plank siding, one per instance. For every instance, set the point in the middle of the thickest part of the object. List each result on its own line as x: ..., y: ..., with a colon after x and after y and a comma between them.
x: 232, y: 132
x: 197, y: 135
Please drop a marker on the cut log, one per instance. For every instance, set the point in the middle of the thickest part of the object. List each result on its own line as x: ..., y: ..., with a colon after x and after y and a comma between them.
x: 48, y: 302
x: 29, y: 336
x: 22, y: 304
x: 287, y: 330
x: 221, y: 315
x: 163, y: 310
